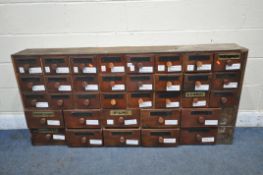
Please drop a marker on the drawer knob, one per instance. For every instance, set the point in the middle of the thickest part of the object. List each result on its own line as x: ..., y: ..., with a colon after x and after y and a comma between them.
x: 112, y: 83
x: 229, y: 62
x: 82, y: 66
x: 30, y: 85
x: 198, y: 83
x: 60, y: 102
x: 81, y: 120
x: 83, y: 140
x: 54, y: 66
x: 160, y: 139
x: 43, y: 121
x: 168, y: 100
x: 195, y: 100
x: 169, y: 64
x: 113, y: 102
x: 90, y: 65
x: 48, y: 136
x: 140, y: 101
x: 226, y: 81
x: 110, y: 65
x: 121, y: 120
x: 161, y: 120
x: 198, y: 137
x: 224, y: 100
x: 84, y: 84
x: 56, y: 85
x: 122, y: 139
x: 169, y: 83
x: 199, y: 63
x: 201, y: 120
x: 26, y: 66
x: 33, y: 102
x: 139, y: 65
x: 86, y: 102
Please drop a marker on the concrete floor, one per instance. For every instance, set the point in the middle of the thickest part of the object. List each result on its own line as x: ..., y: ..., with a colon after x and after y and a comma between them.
x: 244, y: 157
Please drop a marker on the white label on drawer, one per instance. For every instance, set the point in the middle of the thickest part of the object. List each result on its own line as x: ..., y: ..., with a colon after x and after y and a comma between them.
x: 145, y: 104
x: 103, y: 68
x: 146, y: 69
x: 53, y: 122
x: 131, y: 66
x: 117, y: 69
x: 64, y: 88
x: 146, y: 87
x: 91, y: 87
x: 169, y: 140
x: 76, y: 69
x: 211, y: 122
x: 190, y: 67
x: 235, y: 66
x: 132, y: 142
x: 41, y: 104
x: 174, y: 68
x: 172, y: 104
x: 38, y: 88
x: 92, y: 122
x: 62, y: 70
x: 58, y: 137
x: 21, y: 70
x: 173, y: 88
x: 170, y: 122
x: 204, y: 67
x: 118, y: 87
x: 199, y: 103
x: 161, y: 68
x: 208, y: 139
x: 95, y: 142
x: 47, y: 69
x: 130, y: 122
x: 202, y: 87
x: 110, y: 122
x: 230, y: 85
x: 35, y: 70
x: 87, y: 70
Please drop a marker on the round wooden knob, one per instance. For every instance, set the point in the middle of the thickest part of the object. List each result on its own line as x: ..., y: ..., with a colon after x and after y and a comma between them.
x: 57, y: 84
x: 195, y: 100
x: 198, y: 137
x: 121, y: 119
x: 199, y: 63
x: 33, y: 102
x: 139, y: 65
x: 113, y: 102
x: 201, y: 120
x: 139, y: 83
x: 54, y: 66
x: 111, y: 65
x: 140, y: 101
x: 82, y: 66
x: 161, y: 120
x: 26, y: 66
x: 169, y: 64
x: 160, y: 139
x: 84, y: 84
x: 229, y: 62
x: 86, y: 102
x: 43, y: 121
x: 82, y: 120
x: 112, y: 83
x: 226, y: 81
x: 122, y: 139
x: 224, y: 100
x: 30, y: 85
x: 83, y: 140
x: 60, y: 102
x: 90, y: 65
x: 48, y: 136
x: 169, y: 83
x: 168, y: 100
x: 198, y: 83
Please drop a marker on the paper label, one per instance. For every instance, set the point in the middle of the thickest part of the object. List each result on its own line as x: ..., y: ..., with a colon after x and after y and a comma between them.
x: 132, y: 68
x: 62, y: 70
x: 87, y: 70
x: 21, y: 70
x: 172, y: 104
x: 208, y: 139
x: 110, y: 122
x: 235, y: 66
x: 38, y: 88
x: 41, y: 104
x: 174, y: 68
x: 64, y: 88
x: 169, y: 140
x: 47, y: 69
x: 190, y: 67
x: 173, y: 88
x: 35, y: 70
x: 202, y: 87
x: 92, y: 122
x: 76, y: 69
x: 204, y: 67
x: 53, y: 122
x: 161, y: 68
x: 146, y: 69
x: 91, y: 87
x: 145, y: 104
x: 211, y: 122
x: 146, y: 87
x: 118, y: 69
x: 58, y: 137
x: 103, y: 68
x: 132, y: 142
x: 199, y: 103
x: 118, y: 87
x: 130, y: 122
x: 95, y: 142
x: 170, y: 122
x: 230, y: 85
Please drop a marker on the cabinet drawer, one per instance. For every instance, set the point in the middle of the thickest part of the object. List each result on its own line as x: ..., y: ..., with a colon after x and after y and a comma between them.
x: 228, y: 62
x: 56, y: 65
x: 198, y: 136
x: 139, y: 83
x: 195, y: 99
x: 87, y: 100
x: 27, y: 65
x: 34, y: 84
x: 35, y: 101
x: 128, y: 118
x: 57, y: 84
x: 44, y: 119
x: 87, y: 83
x: 48, y: 136
x: 61, y: 101
x: 197, y: 82
x: 140, y: 63
x: 160, y: 137
x: 140, y: 100
x: 84, y: 64
x: 224, y: 98
x: 82, y: 118
x: 198, y: 62
x: 168, y: 63
x: 225, y: 135
x: 160, y: 118
x: 167, y: 99
x: 113, y: 100
x: 225, y: 80
x: 228, y: 116
x: 113, y: 82
x: 112, y: 64
x: 168, y: 82
x: 200, y: 117
x: 84, y: 137
x: 121, y: 137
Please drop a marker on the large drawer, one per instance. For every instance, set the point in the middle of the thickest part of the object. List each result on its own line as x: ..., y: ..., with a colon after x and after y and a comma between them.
x: 198, y: 136
x: 48, y: 137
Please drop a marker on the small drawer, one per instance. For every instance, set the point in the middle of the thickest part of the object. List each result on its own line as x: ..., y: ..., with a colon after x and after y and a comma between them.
x: 160, y: 118
x: 87, y: 83
x: 56, y: 84
x: 228, y: 116
x: 34, y: 84
x: 56, y: 65
x: 121, y: 137
x: 228, y: 62
x: 84, y: 137
x: 128, y: 118
x: 82, y: 118
x: 169, y: 63
x: 140, y: 63
x: 113, y: 100
x: 87, y: 100
x: 195, y: 118
x: 140, y: 100
x: 224, y: 98
x: 225, y: 135
x: 199, y: 62
x: 160, y: 137
x: 197, y: 82
x: 27, y: 65
x: 198, y: 136
x: 48, y: 136
x: 112, y: 64
x: 85, y: 64
x: 44, y: 119
x: 61, y: 101
x: 167, y: 99
x: 113, y: 82
x: 168, y: 82
x: 225, y: 81
x: 36, y: 101
x: 195, y: 99
x: 139, y: 83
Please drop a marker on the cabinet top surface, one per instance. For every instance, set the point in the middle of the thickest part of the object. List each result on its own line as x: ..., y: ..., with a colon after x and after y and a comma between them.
x: 130, y: 49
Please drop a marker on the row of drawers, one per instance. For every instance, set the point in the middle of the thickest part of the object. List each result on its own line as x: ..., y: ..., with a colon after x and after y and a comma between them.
x: 124, y: 100
x: 132, y: 137
x: 131, y: 118
x: 146, y: 63
x: 130, y: 83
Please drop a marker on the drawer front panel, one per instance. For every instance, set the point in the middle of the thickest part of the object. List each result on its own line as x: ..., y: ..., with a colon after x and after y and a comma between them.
x: 27, y: 65
x: 121, y: 137
x: 87, y: 100
x: 112, y: 83
x: 167, y: 99
x: 112, y: 64
x: 88, y: 83
x: 140, y: 100
x: 56, y: 65
x: 168, y: 82
x: 140, y: 83
x: 36, y: 101
x: 197, y: 82
x: 61, y: 101
x: 113, y: 100
x: 226, y: 81
x: 48, y: 136
x: 224, y: 98
x: 140, y: 63
x: 199, y: 62
x: 34, y: 84
x: 84, y: 64
x: 195, y: 99
x: 168, y: 63
x: 198, y: 136
x: 228, y: 62
x: 58, y: 84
